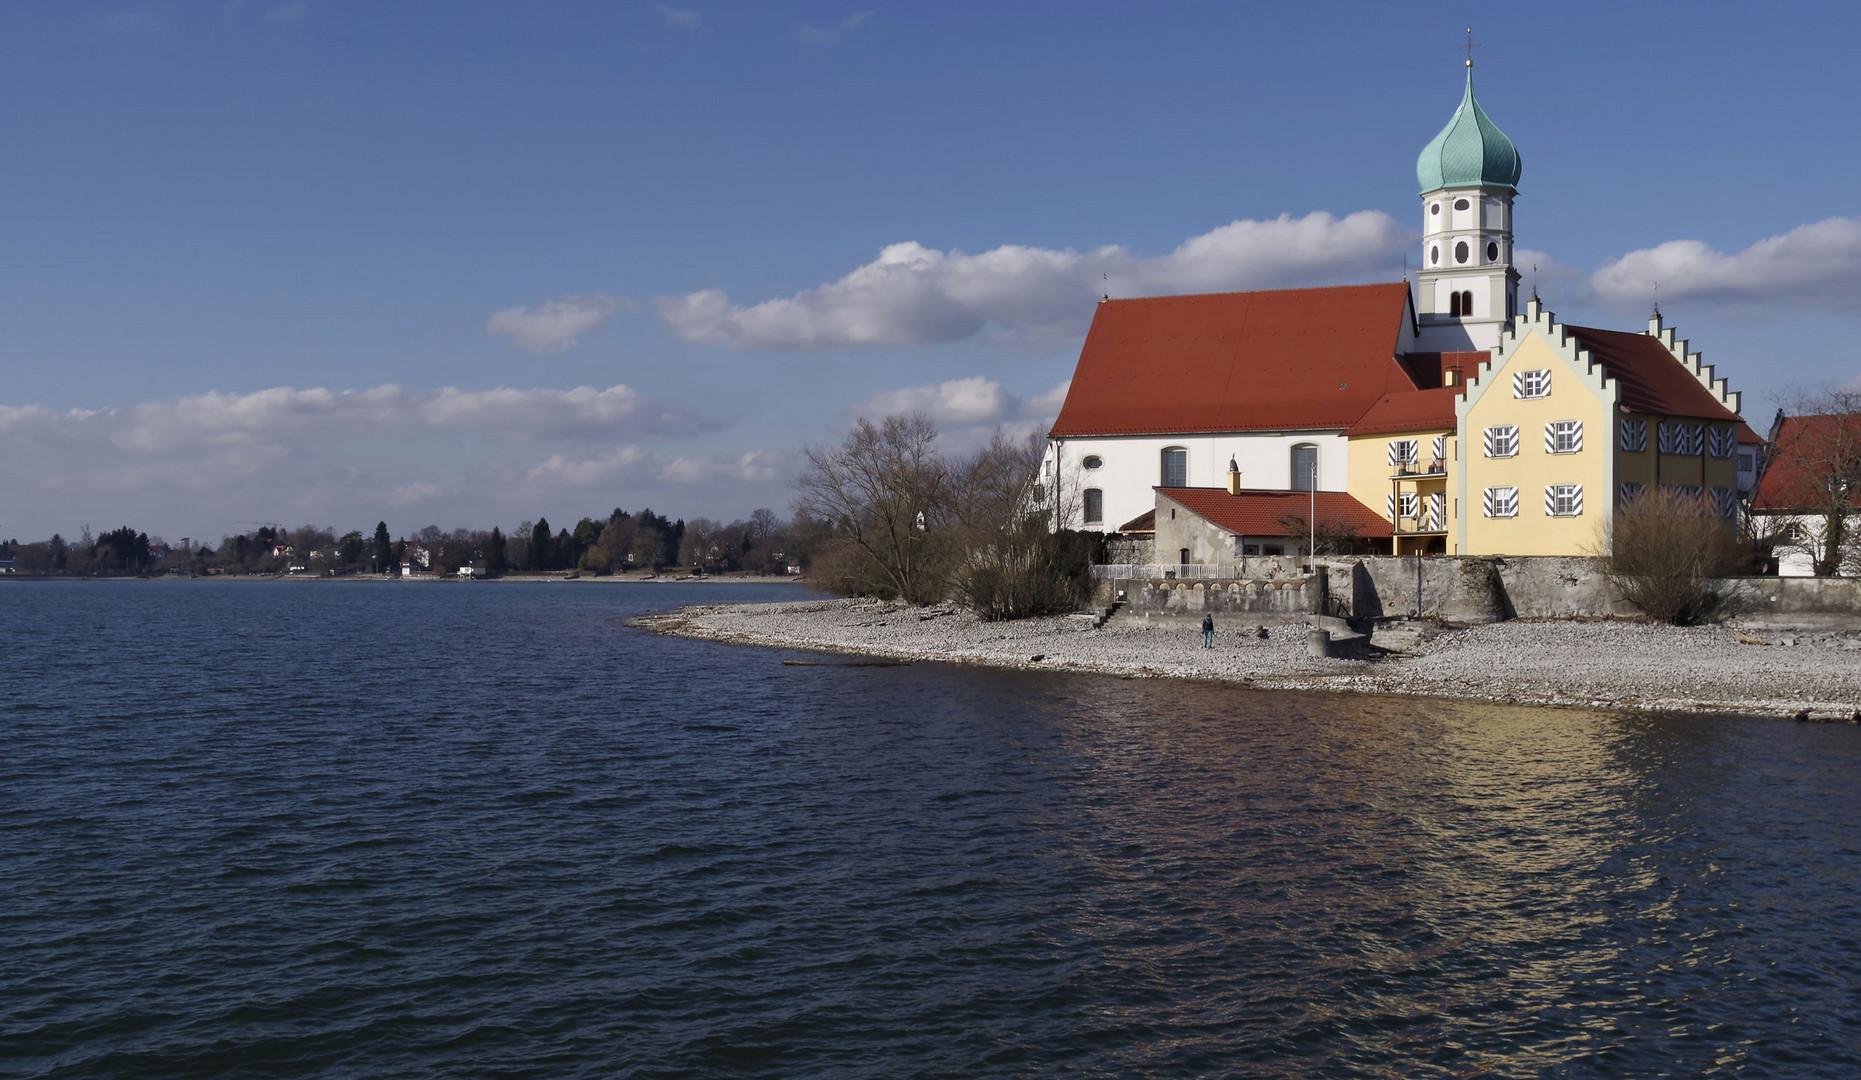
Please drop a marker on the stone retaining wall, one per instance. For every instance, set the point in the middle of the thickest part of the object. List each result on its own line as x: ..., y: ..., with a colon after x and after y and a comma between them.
x: 1468, y: 590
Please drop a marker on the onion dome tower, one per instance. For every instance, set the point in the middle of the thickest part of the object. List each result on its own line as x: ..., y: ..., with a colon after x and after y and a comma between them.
x: 1469, y: 174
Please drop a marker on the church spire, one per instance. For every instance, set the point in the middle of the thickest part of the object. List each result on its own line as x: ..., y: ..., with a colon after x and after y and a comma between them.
x: 1469, y: 175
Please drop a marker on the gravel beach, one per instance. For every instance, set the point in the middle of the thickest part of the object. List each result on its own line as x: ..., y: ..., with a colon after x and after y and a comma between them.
x: 1607, y: 664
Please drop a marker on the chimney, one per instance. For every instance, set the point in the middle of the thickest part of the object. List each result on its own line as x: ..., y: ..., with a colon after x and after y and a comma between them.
x: 1234, y: 477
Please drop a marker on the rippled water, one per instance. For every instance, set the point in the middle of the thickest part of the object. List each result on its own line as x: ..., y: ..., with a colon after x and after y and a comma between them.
x: 375, y: 830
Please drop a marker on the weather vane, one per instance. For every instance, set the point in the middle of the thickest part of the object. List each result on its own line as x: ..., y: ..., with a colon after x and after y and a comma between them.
x: 1470, y: 46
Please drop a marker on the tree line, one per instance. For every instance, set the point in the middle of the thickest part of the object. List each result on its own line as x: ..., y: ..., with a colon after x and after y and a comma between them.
x: 616, y: 543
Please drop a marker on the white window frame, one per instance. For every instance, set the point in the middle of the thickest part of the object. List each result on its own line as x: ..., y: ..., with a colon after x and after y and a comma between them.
x: 1563, y: 437
x: 1563, y: 500
x: 1532, y: 384
x: 1086, y: 507
x: 1500, y: 502
x: 1404, y: 452
x: 1721, y: 442
x: 1502, y: 441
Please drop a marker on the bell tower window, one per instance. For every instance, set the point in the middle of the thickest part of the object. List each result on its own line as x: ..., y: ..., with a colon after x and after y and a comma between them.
x: 1460, y: 251
x: 1492, y: 251
x: 1434, y: 255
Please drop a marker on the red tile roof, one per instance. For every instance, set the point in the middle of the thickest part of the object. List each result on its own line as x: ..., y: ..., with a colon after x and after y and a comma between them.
x: 1428, y: 368
x: 1281, y: 360
x: 1652, y: 380
x: 1145, y: 522
x: 1257, y: 513
x: 1413, y: 410
x: 1790, y: 482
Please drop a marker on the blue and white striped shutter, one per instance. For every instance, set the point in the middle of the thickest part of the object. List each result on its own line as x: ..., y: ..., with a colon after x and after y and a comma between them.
x: 1550, y: 438
x: 1490, y: 437
x: 1410, y: 504
x: 1723, y: 503
x: 1391, y: 515
x: 1576, y: 499
x: 1550, y: 500
x: 1576, y: 436
x: 1631, y: 491
x: 1667, y: 436
x: 1696, y: 439
x: 1437, y: 511
x: 1722, y: 442
x: 1634, y: 435
x: 1491, y: 502
x: 1440, y: 448
x: 1518, y: 384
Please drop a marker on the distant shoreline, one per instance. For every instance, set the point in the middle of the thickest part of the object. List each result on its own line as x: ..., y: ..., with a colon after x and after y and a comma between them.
x: 1587, y: 664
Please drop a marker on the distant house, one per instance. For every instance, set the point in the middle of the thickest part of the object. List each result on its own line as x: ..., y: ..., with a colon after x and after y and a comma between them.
x: 1218, y: 527
x: 1812, y: 458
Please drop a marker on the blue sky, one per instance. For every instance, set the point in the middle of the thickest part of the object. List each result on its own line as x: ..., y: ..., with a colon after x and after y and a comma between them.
x: 466, y: 263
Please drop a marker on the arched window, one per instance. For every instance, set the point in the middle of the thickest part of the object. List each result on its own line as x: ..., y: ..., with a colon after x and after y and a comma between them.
x: 1466, y: 303
x: 1460, y: 251
x: 1175, y: 467
x: 1453, y: 304
x: 1095, y: 506
x: 1304, y: 467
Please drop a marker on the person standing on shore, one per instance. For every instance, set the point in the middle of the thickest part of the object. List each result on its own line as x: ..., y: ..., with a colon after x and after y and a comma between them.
x: 1208, y: 631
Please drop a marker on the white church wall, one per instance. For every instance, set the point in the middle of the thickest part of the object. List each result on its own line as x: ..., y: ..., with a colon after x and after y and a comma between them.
x: 1132, y: 465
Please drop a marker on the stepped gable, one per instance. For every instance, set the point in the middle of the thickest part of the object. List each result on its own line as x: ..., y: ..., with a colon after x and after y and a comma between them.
x: 1789, y: 482
x: 1279, y: 360
x: 1652, y: 380
x: 1256, y: 512
x: 1412, y: 410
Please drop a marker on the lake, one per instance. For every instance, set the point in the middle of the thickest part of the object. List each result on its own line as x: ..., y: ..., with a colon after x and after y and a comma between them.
x: 490, y: 830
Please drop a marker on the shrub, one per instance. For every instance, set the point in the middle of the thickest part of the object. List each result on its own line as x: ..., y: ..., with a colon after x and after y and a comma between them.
x: 1664, y: 553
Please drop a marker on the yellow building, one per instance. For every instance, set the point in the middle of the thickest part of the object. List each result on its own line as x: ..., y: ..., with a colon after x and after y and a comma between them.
x: 1567, y: 423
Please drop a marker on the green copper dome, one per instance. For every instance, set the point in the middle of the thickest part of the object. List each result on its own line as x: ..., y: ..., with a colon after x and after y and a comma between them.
x: 1471, y: 151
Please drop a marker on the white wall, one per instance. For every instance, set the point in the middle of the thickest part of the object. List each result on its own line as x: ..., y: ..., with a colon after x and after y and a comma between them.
x: 1133, y: 465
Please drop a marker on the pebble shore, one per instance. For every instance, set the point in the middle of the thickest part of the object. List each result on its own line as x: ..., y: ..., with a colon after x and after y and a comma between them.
x: 1597, y: 664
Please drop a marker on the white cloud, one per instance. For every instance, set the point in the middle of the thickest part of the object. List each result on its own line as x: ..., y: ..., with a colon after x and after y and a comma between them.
x: 680, y: 18
x: 834, y: 34
x: 968, y: 411
x: 1811, y: 266
x: 1039, y: 297
x: 413, y: 493
x: 635, y: 464
x: 285, y: 416
x: 554, y: 324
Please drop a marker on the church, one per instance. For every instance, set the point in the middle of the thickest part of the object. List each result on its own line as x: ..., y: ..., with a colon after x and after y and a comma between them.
x: 1408, y: 418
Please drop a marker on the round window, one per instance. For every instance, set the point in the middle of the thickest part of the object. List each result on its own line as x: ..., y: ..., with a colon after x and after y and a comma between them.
x: 1094, y: 461
x: 1460, y: 252
x: 1460, y: 204
x: 1492, y: 252
x: 1434, y: 255
x: 1434, y: 208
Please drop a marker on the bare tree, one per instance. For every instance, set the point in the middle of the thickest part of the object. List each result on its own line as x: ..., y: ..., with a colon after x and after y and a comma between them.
x: 1014, y: 564
x: 1664, y: 553
x: 1818, y: 455
x: 884, y: 495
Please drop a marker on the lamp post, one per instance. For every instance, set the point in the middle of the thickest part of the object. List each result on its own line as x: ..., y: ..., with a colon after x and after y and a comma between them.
x: 1311, y: 522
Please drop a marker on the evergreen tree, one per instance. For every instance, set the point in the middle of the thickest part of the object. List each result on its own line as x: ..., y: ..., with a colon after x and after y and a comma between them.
x: 541, y: 555
x: 384, y: 549
x: 494, y: 553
